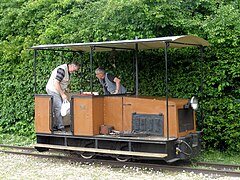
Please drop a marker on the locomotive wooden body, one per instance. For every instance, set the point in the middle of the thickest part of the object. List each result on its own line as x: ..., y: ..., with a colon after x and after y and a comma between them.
x: 123, y: 126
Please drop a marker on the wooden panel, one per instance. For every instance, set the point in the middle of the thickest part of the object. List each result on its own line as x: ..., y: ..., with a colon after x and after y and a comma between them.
x: 83, y: 124
x: 153, y: 106
x: 142, y: 106
x: 97, y: 114
x: 43, y: 117
x: 91, y: 112
x: 172, y: 121
x: 113, y: 112
x: 88, y: 115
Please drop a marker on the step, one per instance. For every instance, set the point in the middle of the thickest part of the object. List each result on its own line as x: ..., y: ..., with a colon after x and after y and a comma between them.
x: 103, y: 151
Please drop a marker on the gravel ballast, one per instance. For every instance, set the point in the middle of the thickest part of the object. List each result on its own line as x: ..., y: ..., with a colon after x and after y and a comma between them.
x: 27, y: 167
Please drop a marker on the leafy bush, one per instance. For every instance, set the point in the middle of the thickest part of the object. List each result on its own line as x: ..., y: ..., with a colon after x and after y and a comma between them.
x: 27, y: 23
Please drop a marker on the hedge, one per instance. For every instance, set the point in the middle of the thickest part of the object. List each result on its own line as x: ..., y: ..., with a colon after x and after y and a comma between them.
x: 24, y: 23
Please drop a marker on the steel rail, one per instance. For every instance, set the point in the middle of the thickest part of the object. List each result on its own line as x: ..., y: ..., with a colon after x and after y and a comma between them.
x: 17, y: 147
x: 218, y: 165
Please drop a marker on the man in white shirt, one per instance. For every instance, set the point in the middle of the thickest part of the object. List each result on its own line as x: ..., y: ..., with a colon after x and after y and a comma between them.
x: 56, y: 87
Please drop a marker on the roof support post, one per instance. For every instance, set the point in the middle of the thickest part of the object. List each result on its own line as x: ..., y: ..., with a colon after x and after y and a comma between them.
x: 35, y: 77
x: 136, y: 69
x: 91, y: 63
x: 201, y: 91
x: 166, y: 71
x: 80, y: 73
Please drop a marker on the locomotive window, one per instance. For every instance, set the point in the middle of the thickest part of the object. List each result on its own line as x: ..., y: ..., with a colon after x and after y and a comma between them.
x: 185, y: 119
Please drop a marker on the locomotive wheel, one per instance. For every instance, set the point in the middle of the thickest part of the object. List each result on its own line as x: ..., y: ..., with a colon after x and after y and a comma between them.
x: 122, y: 158
x: 87, y: 155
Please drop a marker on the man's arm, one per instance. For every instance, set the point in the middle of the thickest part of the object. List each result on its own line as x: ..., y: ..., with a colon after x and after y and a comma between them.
x: 59, y: 89
x: 59, y: 77
x: 117, y: 81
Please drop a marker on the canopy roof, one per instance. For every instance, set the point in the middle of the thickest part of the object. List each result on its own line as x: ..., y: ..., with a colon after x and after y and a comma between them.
x: 153, y: 43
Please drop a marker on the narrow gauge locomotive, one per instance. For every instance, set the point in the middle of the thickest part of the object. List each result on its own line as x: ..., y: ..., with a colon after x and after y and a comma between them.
x: 144, y: 127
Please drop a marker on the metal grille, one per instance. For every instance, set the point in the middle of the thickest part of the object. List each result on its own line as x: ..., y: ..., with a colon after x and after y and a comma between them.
x: 148, y: 123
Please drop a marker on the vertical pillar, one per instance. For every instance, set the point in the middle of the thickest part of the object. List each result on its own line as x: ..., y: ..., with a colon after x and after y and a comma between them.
x: 35, y: 77
x: 166, y: 75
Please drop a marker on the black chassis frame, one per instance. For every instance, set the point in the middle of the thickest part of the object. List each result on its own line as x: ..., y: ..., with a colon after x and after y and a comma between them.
x: 170, y: 146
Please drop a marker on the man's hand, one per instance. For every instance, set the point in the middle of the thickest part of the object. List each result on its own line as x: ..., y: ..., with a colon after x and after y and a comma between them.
x: 117, y: 81
x: 64, y: 97
x: 59, y: 89
x: 67, y: 90
x: 116, y: 92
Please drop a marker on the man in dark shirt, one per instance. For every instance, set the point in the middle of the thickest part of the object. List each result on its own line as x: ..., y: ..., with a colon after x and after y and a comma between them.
x: 111, y: 84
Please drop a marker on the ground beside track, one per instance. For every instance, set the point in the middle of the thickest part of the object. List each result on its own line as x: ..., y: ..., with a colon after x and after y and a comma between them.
x: 27, y: 167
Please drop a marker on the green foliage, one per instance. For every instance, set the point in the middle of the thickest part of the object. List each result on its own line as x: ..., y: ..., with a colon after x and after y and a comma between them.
x: 24, y: 23
x: 222, y: 124
x: 13, y: 139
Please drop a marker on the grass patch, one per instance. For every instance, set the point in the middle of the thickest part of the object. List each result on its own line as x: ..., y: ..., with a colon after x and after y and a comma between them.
x: 215, y: 156
x: 13, y: 139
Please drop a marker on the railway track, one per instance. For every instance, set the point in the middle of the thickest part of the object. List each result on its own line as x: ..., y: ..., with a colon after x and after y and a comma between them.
x: 198, y: 167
